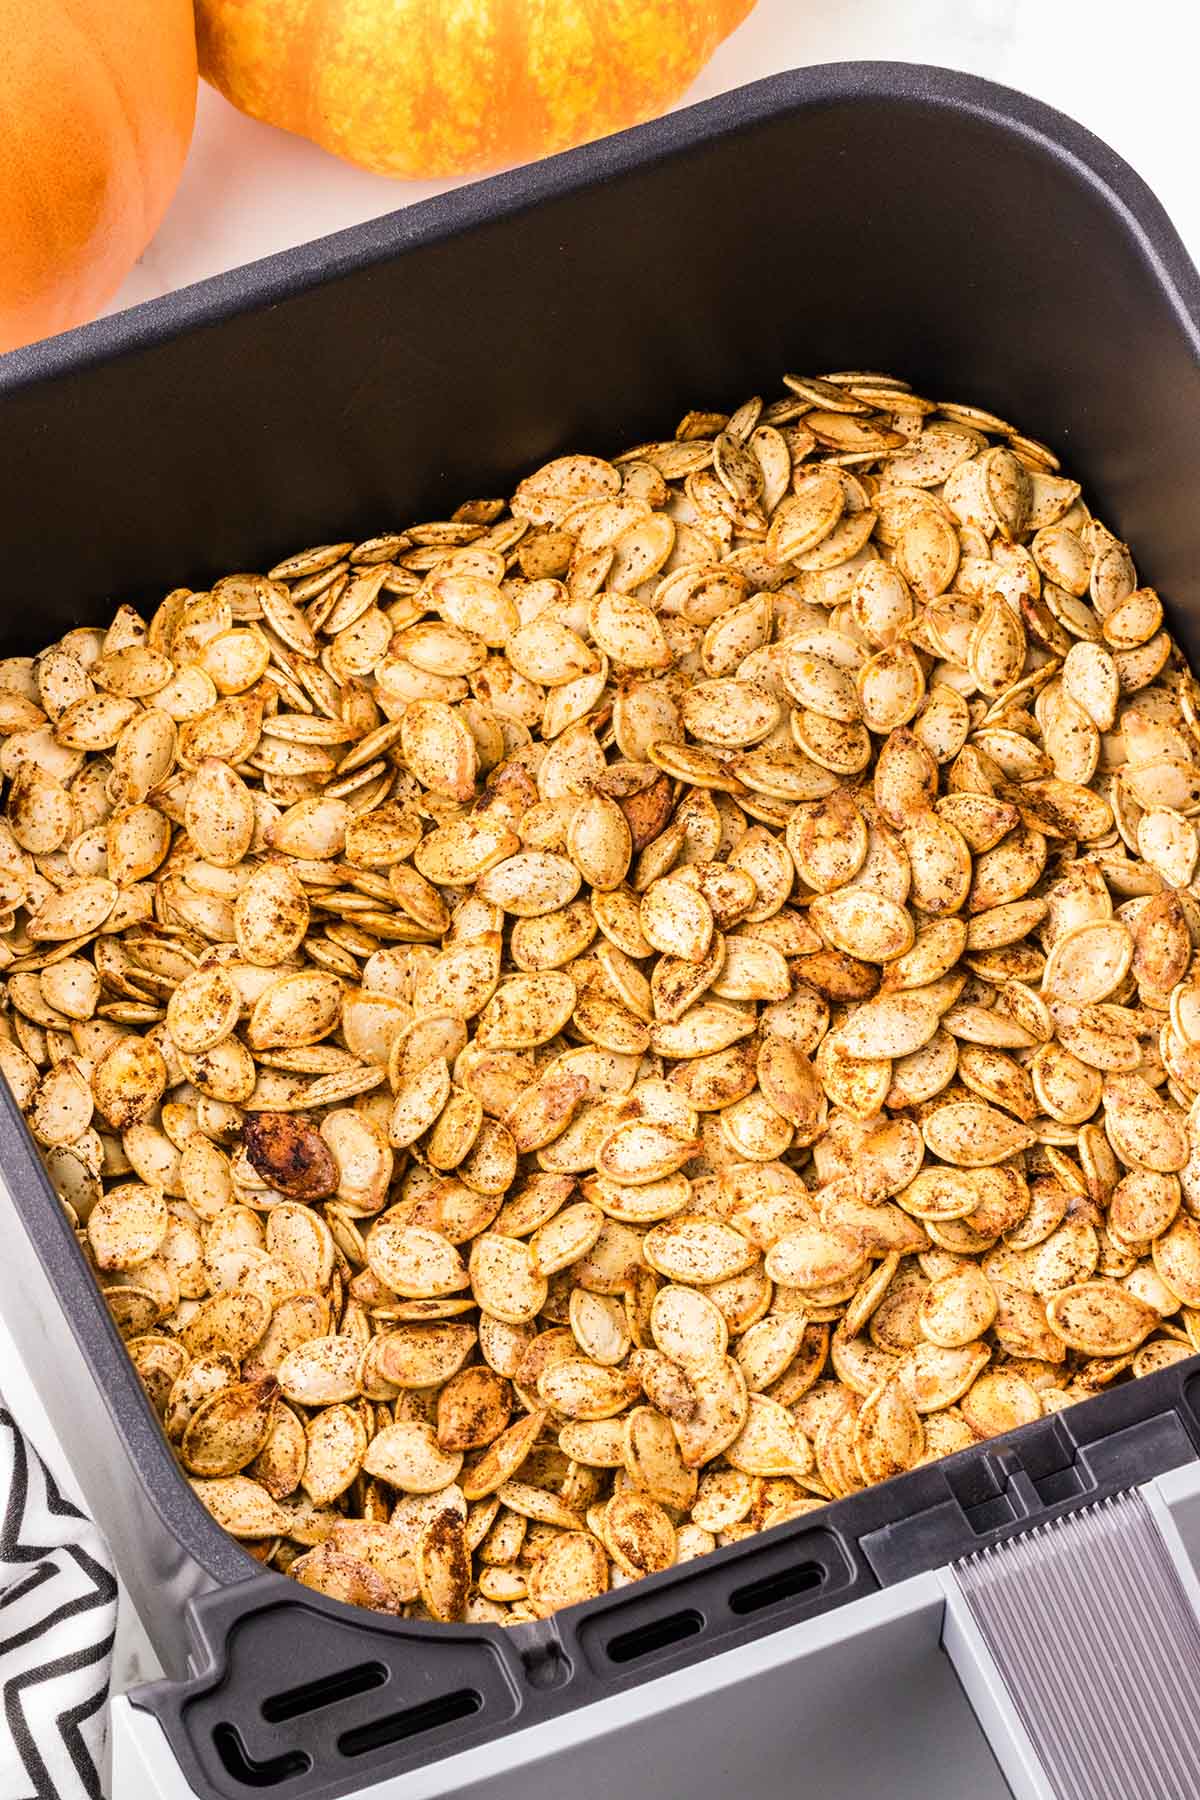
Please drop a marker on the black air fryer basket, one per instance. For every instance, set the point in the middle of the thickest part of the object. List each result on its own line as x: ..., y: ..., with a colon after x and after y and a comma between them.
x: 855, y: 215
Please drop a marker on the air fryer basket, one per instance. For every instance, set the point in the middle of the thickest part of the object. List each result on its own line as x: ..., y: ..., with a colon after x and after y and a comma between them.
x: 853, y: 215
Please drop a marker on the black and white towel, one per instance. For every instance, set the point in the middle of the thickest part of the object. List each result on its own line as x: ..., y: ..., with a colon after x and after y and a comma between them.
x: 58, y: 1613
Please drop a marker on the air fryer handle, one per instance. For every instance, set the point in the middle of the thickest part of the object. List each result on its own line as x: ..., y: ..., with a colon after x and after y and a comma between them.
x: 1078, y: 1646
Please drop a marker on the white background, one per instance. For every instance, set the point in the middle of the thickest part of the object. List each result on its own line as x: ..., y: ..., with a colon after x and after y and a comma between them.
x: 1127, y: 71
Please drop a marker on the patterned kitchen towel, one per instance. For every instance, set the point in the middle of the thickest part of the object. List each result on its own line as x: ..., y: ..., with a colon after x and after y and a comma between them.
x: 58, y: 1613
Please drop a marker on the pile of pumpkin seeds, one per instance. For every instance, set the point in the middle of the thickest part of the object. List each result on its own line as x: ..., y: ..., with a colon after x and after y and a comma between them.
x: 577, y: 1032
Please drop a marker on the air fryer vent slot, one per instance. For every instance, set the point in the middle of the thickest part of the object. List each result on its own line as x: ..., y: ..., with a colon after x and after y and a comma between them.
x: 340, y: 1684
x: 643, y: 1640
x: 772, y: 1590
x: 252, y: 1774
x: 393, y: 1728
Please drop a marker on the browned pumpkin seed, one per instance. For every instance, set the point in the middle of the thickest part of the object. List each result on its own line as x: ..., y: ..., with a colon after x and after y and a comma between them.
x: 451, y: 989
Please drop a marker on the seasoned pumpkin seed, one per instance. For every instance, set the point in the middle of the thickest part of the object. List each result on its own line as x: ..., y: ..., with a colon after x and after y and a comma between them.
x: 576, y: 1034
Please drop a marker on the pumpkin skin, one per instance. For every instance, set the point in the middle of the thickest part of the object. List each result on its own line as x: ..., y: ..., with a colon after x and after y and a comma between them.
x: 449, y: 87
x: 97, y: 99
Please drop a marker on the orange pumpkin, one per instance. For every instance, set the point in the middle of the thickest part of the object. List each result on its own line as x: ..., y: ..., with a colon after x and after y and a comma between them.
x: 443, y: 87
x: 97, y: 99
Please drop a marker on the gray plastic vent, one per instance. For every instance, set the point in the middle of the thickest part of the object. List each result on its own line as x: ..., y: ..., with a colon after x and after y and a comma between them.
x: 1099, y: 1648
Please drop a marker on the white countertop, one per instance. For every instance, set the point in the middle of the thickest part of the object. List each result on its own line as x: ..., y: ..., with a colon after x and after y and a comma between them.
x: 1127, y: 72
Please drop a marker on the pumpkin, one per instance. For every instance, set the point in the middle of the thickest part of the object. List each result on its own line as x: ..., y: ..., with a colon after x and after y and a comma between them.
x: 97, y: 99
x: 447, y: 87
